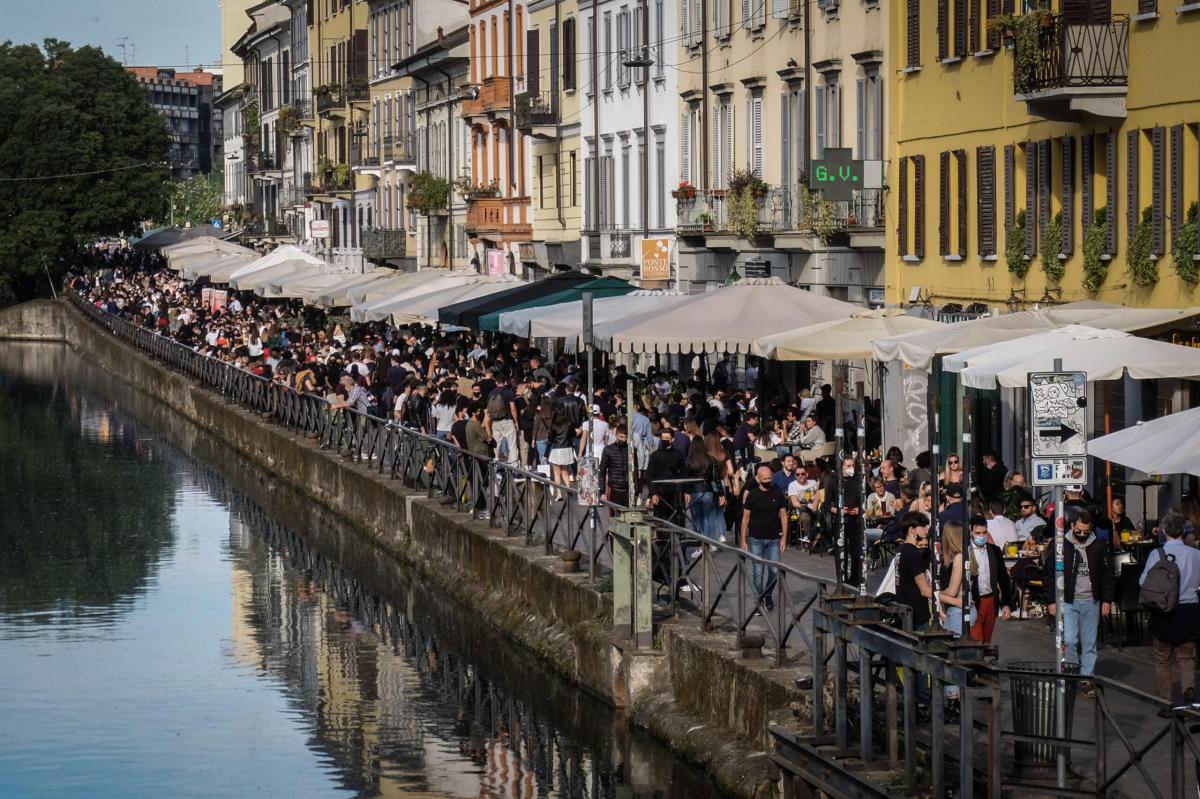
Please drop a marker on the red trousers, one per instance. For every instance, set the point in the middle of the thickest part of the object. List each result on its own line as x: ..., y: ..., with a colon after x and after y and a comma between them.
x: 985, y: 619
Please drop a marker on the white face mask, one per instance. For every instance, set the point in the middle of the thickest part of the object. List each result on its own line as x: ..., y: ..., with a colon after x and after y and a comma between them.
x: 848, y: 471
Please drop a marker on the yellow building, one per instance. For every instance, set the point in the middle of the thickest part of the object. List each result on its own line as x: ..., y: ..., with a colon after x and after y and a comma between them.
x: 344, y: 202
x: 1063, y: 142
x: 233, y: 25
x: 548, y: 113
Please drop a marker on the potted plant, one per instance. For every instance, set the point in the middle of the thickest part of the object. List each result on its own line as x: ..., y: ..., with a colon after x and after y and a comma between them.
x: 684, y: 191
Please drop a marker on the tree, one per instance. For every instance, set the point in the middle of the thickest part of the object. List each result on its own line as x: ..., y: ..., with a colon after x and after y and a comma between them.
x: 82, y: 156
x: 195, y: 201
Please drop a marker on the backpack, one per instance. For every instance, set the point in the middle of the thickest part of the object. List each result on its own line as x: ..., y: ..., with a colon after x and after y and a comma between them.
x: 1160, y: 586
x: 497, y: 408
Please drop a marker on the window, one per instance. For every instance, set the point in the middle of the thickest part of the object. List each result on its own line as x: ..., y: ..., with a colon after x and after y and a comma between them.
x: 828, y: 108
x: 592, y: 58
x: 660, y: 159
x: 911, y: 231
x: 569, y: 55
x: 574, y: 180
x: 541, y: 179
x: 1158, y: 190
x: 1177, y: 198
x: 624, y: 45
x: 1066, y: 197
x: 754, y: 133
x: 985, y: 197
x: 659, y: 53
x: 606, y: 62
x: 952, y: 204
x: 722, y: 143
x: 720, y: 19
x: 1133, y: 211
x: 626, y: 179
x: 533, y: 82
x: 754, y: 14
x: 913, y: 35
x: 869, y: 91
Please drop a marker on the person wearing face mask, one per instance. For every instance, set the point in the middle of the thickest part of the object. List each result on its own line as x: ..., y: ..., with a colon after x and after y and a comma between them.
x: 850, y: 511
x: 764, y: 530
x: 991, y: 587
x: 666, y: 463
x: 1087, y: 592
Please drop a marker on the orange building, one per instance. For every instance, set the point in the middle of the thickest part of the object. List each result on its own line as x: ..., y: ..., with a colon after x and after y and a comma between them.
x: 499, y: 211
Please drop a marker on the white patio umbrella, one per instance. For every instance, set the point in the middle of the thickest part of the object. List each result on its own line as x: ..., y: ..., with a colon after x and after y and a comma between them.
x: 918, y: 349
x: 564, y: 320
x: 423, y: 308
x: 1102, y: 354
x: 336, y: 295
x: 287, y: 252
x: 1169, y: 445
x: 209, y: 263
x: 250, y: 281
x: 177, y: 255
x: 299, y: 270
x: 397, y: 282
x: 303, y: 285
x: 728, y: 319
x: 385, y: 303
x: 840, y: 339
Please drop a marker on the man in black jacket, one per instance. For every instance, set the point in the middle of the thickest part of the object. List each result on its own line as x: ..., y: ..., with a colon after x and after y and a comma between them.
x: 1087, y: 593
x: 666, y: 463
x: 614, y: 468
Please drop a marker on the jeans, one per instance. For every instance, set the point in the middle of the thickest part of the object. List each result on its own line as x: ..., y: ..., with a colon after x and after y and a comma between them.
x: 505, y: 433
x: 767, y: 549
x: 1081, y: 624
x: 443, y: 435
x: 543, y: 449
x: 707, y: 517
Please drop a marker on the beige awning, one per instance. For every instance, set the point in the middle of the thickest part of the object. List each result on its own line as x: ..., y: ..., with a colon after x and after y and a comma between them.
x: 728, y: 319
x: 283, y: 254
x: 423, y: 308
x: 1100, y: 354
x: 385, y: 303
x: 840, y: 339
x: 393, y: 284
x: 918, y: 349
x: 178, y: 255
x: 304, y: 284
x: 208, y: 263
x: 337, y: 295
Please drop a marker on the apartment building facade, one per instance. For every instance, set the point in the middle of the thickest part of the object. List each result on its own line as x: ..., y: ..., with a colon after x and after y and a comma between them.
x: 441, y: 142
x: 186, y: 101
x: 631, y: 131
x: 767, y: 89
x: 497, y: 188
x: 1054, y: 154
x: 548, y: 113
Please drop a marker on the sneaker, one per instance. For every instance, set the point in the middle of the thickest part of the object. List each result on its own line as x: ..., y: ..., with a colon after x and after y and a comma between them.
x: 482, y: 515
x: 769, y: 602
x: 1089, y: 691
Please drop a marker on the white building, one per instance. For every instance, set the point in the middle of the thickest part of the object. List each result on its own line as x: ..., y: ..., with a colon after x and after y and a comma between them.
x: 627, y: 191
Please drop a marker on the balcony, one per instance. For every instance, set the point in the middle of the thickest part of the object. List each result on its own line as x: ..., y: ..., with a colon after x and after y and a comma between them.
x: 491, y: 97
x: 380, y: 244
x: 398, y: 151
x: 302, y: 110
x: 332, y: 99
x: 1064, y: 68
x: 718, y: 216
x: 536, y: 115
x: 498, y: 217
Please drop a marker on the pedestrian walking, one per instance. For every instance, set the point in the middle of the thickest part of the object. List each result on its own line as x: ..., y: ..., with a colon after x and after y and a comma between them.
x: 991, y: 588
x: 1087, y: 592
x: 764, y: 530
x: 1173, y: 571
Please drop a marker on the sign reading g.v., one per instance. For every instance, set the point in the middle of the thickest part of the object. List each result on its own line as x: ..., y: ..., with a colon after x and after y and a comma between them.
x: 837, y: 175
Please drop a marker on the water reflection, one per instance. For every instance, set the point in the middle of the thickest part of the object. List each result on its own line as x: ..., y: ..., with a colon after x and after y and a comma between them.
x: 86, y: 510
x: 238, y: 655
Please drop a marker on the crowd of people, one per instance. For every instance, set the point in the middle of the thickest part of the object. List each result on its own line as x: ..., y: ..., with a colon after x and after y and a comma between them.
x: 712, y: 450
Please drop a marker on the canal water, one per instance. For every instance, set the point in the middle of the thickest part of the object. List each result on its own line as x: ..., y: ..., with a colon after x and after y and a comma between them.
x: 174, y: 623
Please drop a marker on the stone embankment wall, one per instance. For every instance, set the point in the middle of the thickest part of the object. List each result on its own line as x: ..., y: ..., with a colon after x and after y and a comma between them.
x: 692, y: 690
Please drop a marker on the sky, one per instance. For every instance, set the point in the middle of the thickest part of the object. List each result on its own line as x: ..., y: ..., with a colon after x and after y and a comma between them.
x: 178, y: 33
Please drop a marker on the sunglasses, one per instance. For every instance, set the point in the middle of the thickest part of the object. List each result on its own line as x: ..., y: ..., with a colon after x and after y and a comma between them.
x: 1028, y: 505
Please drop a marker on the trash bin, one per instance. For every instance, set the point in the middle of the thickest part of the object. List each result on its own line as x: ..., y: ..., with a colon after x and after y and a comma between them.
x: 1034, y: 706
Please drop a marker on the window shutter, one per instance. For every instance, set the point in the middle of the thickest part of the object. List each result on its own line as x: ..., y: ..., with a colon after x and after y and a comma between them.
x: 919, y: 205
x: 875, y: 134
x: 1110, y: 183
x: 1087, y: 170
x: 779, y: 9
x: 1131, y: 180
x: 533, y: 66
x: 993, y: 37
x: 913, y: 36
x: 834, y: 136
x: 1147, y: 6
x: 608, y: 51
x: 659, y: 51
x: 686, y: 13
x: 960, y: 28
x: 746, y: 22
x: 1044, y: 215
x: 820, y: 109
x: 943, y: 29
x: 757, y: 124
x: 589, y: 222
x: 1031, y: 197
x: 973, y: 31
x: 944, y: 203
x: 612, y: 195
x: 1176, y: 181
x: 697, y: 21
x: 718, y: 177
x: 569, y: 55
x: 1158, y: 191
x: 960, y: 166
x: 785, y: 143
x: 1010, y: 188
x: 1067, y: 197
x: 729, y: 134
x: 985, y: 170
x: 902, y: 209
x: 685, y: 148
x: 604, y: 189
x: 860, y: 89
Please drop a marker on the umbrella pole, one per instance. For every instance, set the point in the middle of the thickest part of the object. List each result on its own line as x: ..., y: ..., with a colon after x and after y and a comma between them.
x: 967, y: 461
x: 863, y: 465
x: 933, y: 397
x: 839, y: 507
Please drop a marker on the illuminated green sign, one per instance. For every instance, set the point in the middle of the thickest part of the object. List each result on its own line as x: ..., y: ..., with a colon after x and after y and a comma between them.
x: 836, y: 175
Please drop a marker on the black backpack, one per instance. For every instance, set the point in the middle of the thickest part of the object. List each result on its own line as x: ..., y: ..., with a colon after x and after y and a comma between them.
x: 497, y: 408
x: 1160, y: 586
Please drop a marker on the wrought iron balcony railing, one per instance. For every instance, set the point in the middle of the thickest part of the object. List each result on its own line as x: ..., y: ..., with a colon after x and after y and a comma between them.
x: 1072, y: 55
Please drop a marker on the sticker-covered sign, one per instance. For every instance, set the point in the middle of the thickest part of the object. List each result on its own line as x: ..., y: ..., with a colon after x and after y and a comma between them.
x: 1058, y: 416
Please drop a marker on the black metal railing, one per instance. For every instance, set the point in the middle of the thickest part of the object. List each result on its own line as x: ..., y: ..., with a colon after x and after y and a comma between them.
x: 703, y: 579
x: 534, y: 109
x: 1074, y: 55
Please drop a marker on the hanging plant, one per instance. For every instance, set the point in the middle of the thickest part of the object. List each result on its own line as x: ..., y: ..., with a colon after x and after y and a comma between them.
x: 1014, y: 247
x: 1142, y: 266
x: 1052, y: 265
x: 1026, y: 32
x: 1095, y: 268
x: 1187, y: 237
x: 743, y: 213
